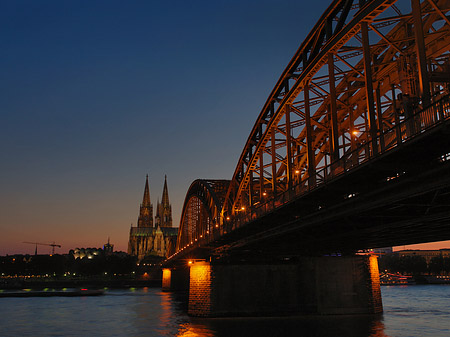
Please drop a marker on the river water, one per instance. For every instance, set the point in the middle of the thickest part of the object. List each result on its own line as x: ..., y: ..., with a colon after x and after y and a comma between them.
x: 408, y: 311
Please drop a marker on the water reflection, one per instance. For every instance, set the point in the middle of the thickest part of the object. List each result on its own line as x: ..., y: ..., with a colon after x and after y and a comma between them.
x: 409, y: 312
x: 174, y: 305
x: 317, y: 326
x: 166, y: 307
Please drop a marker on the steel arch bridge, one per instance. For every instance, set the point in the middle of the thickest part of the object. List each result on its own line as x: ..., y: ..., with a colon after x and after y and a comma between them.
x: 371, y: 77
x: 201, y: 211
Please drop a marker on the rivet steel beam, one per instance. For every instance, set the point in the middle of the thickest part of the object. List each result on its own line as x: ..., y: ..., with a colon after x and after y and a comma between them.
x: 369, y: 86
x: 424, y: 83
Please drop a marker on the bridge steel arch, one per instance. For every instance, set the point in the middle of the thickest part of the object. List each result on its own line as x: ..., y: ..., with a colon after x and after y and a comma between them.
x: 201, y: 211
x: 370, y: 76
x: 348, y: 95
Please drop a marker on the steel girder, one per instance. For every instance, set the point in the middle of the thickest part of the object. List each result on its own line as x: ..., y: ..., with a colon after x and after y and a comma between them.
x: 201, y: 211
x: 343, y: 99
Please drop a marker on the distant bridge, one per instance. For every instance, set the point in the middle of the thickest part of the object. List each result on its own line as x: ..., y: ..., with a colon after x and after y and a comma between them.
x: 351, y: 149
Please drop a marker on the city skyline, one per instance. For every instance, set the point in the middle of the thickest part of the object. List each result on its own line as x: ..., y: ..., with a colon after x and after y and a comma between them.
x: 97, y: 94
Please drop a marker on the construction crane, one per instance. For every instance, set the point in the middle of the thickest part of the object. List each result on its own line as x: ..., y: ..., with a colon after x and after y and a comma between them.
x: 53, y: 245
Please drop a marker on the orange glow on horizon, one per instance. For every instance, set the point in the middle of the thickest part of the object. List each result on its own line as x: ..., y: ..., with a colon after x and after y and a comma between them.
x: 424, y: 246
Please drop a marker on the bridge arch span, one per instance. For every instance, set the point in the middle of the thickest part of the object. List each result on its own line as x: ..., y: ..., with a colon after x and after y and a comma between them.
x: 350, y: 93
x: 201, y: 211
x: 370, y: 76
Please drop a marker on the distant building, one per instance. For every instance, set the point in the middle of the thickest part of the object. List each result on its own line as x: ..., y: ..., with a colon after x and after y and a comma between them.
x: 86, y: 253
x: 153, y: 240
x: 108, y: 248
x: 379, y: 251
x: 428, y: 255
x: 92, y: 253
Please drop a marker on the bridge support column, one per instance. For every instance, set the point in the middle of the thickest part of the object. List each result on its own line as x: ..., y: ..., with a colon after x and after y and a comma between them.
x: 313, y: 285
x: 175, y: 279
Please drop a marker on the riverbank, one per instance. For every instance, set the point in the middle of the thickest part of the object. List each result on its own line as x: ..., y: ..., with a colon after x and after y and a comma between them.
x: 16, y: 283
x: 51, y: 293
x: 388, y: 279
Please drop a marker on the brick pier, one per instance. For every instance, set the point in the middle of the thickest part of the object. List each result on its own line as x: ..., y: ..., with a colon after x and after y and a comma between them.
x: 313, y: 285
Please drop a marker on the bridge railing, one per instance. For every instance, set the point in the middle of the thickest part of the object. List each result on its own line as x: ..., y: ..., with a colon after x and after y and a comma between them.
x: 388, y: 139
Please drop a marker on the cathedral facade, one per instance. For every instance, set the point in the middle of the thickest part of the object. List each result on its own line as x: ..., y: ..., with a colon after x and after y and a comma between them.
x: 153, y: 238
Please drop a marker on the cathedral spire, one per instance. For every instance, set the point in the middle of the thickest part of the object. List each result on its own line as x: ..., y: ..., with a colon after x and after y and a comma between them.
x: 165, y: 195
x: 145, y: 218
x: 164, y: 209
x: 146, y: 199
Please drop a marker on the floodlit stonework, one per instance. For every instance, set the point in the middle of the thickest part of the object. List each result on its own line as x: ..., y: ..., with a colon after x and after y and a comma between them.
x: 157, y: 240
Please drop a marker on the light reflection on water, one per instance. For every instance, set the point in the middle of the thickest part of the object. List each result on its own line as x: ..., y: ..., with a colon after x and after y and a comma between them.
x: 288, y: 326
x: 409, y: 311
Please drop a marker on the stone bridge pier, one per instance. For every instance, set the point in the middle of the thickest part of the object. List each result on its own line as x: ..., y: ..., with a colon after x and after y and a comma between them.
x: 311, y: 285
x: 176, y: 279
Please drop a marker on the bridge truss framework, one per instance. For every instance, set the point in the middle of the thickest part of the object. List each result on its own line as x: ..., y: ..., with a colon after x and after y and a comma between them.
x: 370, y: 76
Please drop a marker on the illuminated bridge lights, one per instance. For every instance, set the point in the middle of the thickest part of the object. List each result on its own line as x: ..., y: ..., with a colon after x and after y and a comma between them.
x: 194, y: 261
x: 397, y: 175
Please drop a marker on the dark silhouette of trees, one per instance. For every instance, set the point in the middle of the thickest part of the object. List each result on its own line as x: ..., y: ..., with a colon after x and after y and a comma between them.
x: 394, y: 263
x: 439, y: 265
x: 58, y: 265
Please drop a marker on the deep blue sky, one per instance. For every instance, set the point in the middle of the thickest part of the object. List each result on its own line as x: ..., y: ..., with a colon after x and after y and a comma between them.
x: 97, y: 94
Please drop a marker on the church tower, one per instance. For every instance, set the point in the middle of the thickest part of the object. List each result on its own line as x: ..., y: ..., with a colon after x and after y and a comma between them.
x: 164, y: 209
x: 149, y: 242
x: 145, y: 218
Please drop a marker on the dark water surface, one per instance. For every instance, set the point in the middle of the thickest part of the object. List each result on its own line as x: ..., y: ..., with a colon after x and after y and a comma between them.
x: 408, y: 311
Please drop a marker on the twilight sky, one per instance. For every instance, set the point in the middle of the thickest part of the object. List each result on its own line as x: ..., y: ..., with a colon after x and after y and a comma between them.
x: 97, y: 94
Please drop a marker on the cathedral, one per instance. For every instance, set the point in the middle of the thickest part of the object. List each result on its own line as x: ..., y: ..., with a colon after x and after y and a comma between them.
x: 156, y: 239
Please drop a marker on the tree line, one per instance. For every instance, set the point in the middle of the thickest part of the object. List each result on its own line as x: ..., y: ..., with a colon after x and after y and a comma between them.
x: 414, y: 264
x: 63, y: 265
